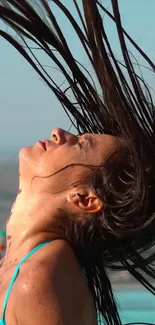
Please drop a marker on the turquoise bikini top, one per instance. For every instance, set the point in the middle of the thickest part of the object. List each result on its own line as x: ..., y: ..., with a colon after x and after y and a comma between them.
x: 15, y: 274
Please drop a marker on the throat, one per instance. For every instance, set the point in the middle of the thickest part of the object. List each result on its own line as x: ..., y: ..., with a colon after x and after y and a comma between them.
x: 30, y: 223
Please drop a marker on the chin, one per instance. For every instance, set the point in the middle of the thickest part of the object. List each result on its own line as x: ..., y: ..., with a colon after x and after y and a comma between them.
x: 24, y: 161
x: 24, y: 153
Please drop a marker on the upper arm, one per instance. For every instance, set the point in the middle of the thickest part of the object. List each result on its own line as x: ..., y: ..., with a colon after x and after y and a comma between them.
x: 56, y: 295
x: 46, y: 304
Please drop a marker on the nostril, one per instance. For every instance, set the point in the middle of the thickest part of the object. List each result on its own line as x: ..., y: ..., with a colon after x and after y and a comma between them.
x: 58, y: 136
x: 54, y: 136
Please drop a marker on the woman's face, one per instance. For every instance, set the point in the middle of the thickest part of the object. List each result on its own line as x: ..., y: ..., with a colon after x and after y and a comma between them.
x: 62, y: 149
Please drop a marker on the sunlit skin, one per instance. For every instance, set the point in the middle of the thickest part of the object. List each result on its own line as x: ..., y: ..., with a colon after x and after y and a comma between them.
x: 44, y: 193
x: 63, y: 149
x: 44, y: 189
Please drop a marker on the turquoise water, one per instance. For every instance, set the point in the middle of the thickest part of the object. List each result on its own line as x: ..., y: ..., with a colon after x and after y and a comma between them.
x: 136, y: 306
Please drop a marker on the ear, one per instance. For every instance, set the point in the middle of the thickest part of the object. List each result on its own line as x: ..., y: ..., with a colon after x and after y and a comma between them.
x: 86, y: 200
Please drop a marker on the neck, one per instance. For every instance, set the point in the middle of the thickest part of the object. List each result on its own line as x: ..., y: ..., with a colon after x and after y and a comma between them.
x: 29, y: 224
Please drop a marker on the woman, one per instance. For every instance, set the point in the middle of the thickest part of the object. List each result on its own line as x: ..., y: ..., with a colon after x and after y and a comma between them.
x: 56, y: 194
x: 93, y: 193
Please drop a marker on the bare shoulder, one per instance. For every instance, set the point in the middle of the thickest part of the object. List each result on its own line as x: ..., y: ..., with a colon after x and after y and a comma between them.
x: 53, y: 285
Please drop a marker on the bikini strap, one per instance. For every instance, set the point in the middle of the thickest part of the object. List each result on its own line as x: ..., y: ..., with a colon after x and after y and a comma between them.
x: 15, y: 276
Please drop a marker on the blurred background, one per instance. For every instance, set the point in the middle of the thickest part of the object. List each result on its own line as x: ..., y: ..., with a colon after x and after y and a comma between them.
x: 29, y: 111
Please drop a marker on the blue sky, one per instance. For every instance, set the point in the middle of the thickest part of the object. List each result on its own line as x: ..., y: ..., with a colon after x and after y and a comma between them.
x: 28, y: 109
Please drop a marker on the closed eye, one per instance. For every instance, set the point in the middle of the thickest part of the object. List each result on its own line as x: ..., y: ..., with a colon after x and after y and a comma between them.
x: 85, y: 142
x: 84, y: 145
x: 81, y: 144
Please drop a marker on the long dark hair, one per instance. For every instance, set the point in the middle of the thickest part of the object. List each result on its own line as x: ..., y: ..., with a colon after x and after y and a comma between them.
x: 115, y: 101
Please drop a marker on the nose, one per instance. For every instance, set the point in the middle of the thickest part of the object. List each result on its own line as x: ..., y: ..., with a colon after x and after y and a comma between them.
x: 60, y: 136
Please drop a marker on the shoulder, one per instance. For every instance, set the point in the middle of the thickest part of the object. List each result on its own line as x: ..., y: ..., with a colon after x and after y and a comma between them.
x: 54, y: 266
x: 56, y: 282
x: 57, y: 261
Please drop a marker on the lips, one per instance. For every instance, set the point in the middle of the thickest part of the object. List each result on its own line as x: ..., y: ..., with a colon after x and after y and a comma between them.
x: 46, y: 144
x: 42, y: 145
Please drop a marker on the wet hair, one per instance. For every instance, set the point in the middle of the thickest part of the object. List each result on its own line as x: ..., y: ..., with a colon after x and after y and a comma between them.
x: 116, y: 101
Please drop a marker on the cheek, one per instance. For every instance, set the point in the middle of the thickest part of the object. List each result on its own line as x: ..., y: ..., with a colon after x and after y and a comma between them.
x: 59, y: 182
x: 44, y: 166
x: 51, y: 162
x: 51, y: 184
